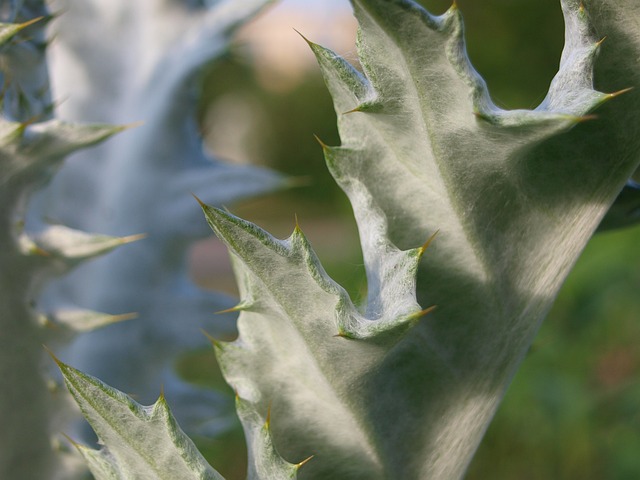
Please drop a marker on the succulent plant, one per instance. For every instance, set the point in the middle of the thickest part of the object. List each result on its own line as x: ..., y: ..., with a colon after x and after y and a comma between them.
x: 405, y: 385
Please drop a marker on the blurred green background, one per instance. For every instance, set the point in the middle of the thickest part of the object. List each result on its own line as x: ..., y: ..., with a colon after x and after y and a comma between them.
x: 573, y: 410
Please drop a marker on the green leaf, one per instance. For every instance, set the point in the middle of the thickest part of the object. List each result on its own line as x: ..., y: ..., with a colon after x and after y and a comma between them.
x: 139, y: 442
x: 147, y: 443
x: 375, y: 392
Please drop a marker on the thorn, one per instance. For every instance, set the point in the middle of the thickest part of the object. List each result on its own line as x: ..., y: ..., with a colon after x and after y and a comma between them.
x: 161, y: 397
x: 237, y: 308
x: 30, y: 22
x: 123, y: 317
x: 343, y: 334
x: 301, y: 181
x: 619, y: 92
x: 51, y: 354
x: 581, y: 7
x: 601, y: 41
x: 585, y: 118
x: 267, y: 423
x: 428, y: 242
x: 128, y: 126
x: 481, y: 116
x: 71, y: 440
x: 357, y: 109
x: 215, y: 342
x: 454, y: 5
x: 297, y: 227
x: 27, y: 123
x: 202, y: 204
x: 303, y: 462
x: 133, y: 238
x: 424, y: 312
x: 309, y: 42
x: 322, y: 144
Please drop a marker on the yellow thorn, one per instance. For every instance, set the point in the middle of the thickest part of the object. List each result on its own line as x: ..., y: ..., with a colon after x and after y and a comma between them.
x: 426, y: 311
x: 267, y: 423
x: 303, y: 462
x: 357, y: 109
x: 601, y: 41
x: 30, y: 22
x: 428, y: 242
x: 237, y: 308
x: 71, y: 441
x: 454, y: 5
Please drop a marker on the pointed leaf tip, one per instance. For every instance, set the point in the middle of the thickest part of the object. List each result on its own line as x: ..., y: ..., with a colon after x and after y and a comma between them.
x: 426, y: 244
x: 200, y: 202
x: 322, y: 144
x: 619, y: 92
x: 53, y: 356
x: 424, y: 312
x: 303, y: 462
x: 309, y: 42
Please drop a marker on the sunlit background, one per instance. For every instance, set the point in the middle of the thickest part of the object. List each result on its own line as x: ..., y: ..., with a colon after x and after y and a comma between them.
x: 573, y: 411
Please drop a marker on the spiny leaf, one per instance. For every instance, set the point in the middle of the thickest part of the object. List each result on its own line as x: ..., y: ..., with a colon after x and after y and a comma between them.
x: 515, y: 196
x: 139, y: 442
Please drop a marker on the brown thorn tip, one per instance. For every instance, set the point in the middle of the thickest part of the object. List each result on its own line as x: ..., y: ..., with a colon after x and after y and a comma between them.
x: 309, y: 42
x: 303, y: 462
x: 202, y: 204
x: 601, y: 41
x: 620, y: 92
x: 52, y: 355
x: 322, y: 144
x: 585, y: 118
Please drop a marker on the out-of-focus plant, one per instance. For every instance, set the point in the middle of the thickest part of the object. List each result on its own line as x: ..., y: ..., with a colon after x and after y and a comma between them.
x: 115, y: 61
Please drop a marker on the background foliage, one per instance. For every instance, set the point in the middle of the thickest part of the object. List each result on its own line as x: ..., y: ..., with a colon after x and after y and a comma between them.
x: 572, y: 409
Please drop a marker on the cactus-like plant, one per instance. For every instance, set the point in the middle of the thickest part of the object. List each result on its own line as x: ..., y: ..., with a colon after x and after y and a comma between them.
x: 392, y: 389
x: 32, y: 147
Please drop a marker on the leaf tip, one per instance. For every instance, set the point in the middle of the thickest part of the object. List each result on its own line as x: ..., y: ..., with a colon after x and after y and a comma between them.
x: 301, y: 464
x: 426, y: 244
